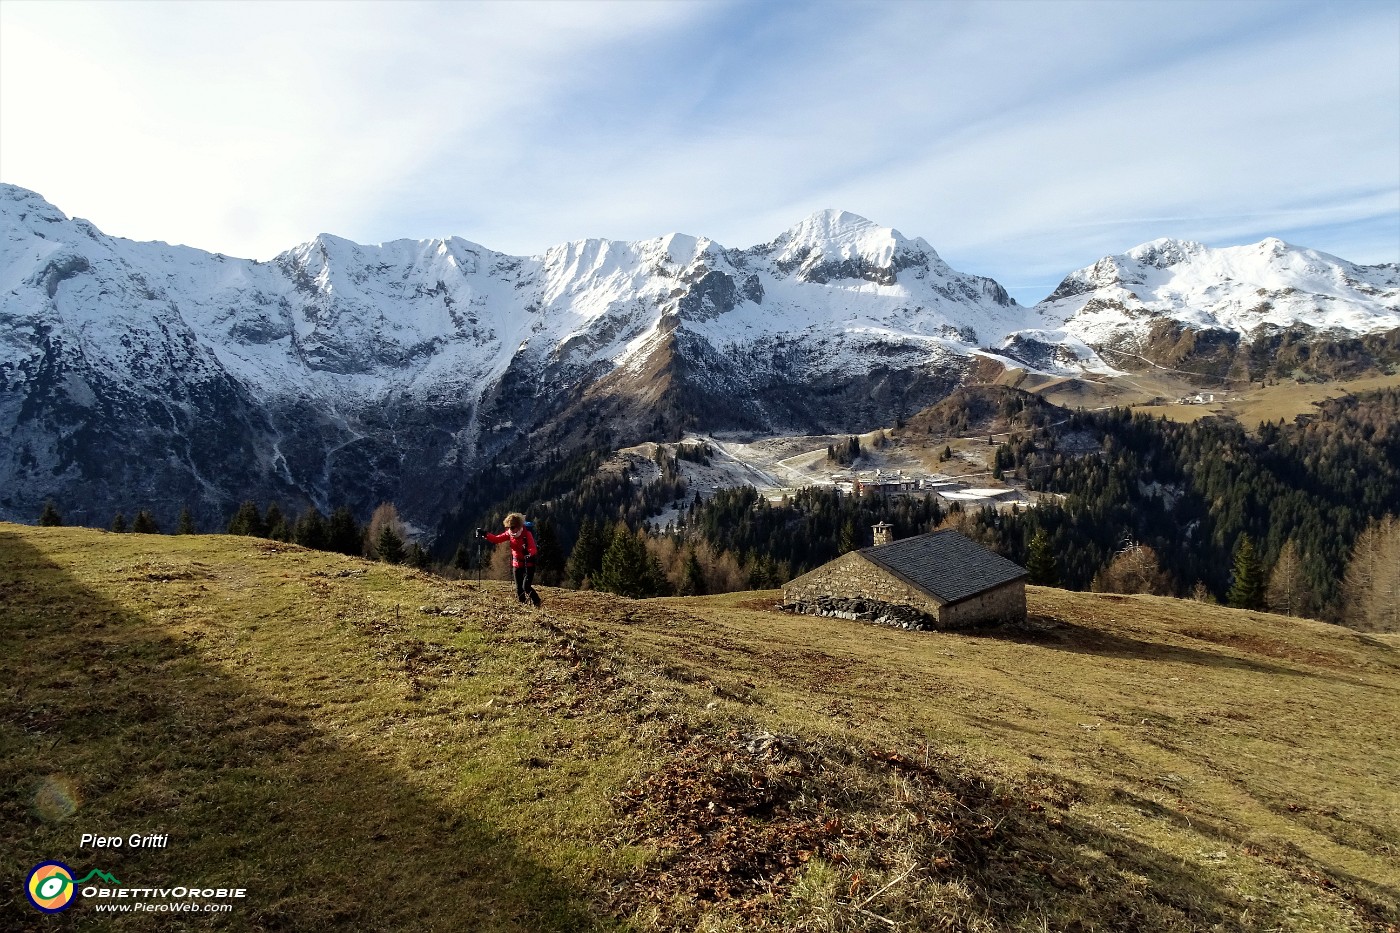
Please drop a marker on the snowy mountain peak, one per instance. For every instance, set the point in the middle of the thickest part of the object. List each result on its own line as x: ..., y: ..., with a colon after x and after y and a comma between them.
x: 21, y: 203
x: 829, y: 224
x: 834, y: 244
x: 353, y: 373
x: 1164, y: 252
x: 1232, y: 288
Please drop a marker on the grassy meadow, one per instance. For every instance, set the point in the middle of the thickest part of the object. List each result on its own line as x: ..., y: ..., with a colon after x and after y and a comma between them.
x: 366, y: 747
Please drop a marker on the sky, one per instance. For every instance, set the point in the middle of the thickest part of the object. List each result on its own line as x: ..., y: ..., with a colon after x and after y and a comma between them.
x: 1022, y: 139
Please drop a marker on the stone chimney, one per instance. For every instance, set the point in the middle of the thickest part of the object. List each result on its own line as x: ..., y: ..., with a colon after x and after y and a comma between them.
x: 884, y: 533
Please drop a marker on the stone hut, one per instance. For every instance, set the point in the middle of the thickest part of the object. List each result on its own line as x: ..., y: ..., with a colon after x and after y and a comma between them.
x: 939, y: 580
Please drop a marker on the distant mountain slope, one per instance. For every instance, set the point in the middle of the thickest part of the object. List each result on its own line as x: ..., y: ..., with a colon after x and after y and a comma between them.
x: 1146, y: 300
x: 147, y: 375
x: 144, y: 375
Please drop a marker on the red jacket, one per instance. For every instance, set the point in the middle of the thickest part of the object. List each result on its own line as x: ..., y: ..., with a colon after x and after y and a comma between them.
x: 522, y: 546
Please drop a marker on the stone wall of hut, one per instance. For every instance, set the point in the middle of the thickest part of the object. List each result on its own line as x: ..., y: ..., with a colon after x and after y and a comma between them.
x: 1006, y: 603
x: 852, y: 587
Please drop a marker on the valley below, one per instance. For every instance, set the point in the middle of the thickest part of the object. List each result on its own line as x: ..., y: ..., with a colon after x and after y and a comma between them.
x: 780, y: 465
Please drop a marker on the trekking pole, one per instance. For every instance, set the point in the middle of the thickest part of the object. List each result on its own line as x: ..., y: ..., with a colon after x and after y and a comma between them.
x: 480, y: 548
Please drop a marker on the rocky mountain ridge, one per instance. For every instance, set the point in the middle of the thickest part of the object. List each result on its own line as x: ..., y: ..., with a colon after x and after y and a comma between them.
x: 147, y: 375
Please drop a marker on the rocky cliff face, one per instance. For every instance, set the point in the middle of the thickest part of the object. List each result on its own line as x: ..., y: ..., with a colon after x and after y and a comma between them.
x: 143, y: 375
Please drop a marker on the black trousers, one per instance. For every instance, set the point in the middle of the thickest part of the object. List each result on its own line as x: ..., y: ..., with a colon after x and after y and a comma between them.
x: 524, y: 577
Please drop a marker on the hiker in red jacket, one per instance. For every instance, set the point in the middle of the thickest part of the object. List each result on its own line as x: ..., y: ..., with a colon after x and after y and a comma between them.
x: 522, y: 554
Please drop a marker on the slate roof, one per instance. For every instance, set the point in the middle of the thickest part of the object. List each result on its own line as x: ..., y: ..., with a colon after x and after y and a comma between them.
x: 945, y: 565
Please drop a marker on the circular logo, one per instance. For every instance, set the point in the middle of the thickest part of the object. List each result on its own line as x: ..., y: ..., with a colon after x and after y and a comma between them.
x: 50, y: 887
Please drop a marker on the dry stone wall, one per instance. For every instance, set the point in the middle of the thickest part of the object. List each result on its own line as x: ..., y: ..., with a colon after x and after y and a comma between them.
x: 865, y: 610
x: 851, y: 587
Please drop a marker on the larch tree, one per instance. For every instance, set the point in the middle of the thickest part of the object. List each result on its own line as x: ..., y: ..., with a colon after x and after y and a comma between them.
x: 1372, y: 582
x: 385, y: 516
x: 1287, y: 592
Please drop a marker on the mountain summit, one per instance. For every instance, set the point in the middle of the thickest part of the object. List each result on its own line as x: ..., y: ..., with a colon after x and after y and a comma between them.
x: 144, y: 375
x: 149, y: 375
x: 1239, y: 289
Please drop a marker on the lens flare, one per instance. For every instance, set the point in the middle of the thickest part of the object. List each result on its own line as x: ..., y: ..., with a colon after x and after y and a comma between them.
x: 56, y: 798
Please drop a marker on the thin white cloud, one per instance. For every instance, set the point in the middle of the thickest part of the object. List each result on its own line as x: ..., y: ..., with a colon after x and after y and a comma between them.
x: 248, y: 127
x: 1021, y: 139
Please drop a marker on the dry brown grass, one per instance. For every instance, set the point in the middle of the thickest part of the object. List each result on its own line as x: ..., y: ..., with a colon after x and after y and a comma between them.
x: 1289, y: 400
x: 301, y: 726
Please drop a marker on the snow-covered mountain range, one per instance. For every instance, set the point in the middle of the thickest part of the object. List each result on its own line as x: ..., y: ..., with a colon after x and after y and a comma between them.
x: 1243, y: 290
x: 143, y: 375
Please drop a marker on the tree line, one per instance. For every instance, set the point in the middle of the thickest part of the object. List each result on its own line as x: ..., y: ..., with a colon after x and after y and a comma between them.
x: 1297, y: 517
x: 385, y: 538
x: 1293, y: 506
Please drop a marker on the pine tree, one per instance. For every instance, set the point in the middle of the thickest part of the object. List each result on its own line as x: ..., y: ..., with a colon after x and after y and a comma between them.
x: 1288, y: 592
x: 847, y: 541
x: 186, y: 523
x: 549, y: 563
x: 248, y: 521
x: 693, y: 582
x: 388, y: 546
x: 145, y: 524
x: 386, y: 515
x: 50, y: 517
x: 276, y: 523
x: 587, y: 557
x: 119, y: 522
x: 417, y: 557
x: 1044, y: 570
x: 655, y: 582
x: 343, y: 533
x: 310, y: 530
x: 1247, y: 588
x: 462, y: 559
x: 628, y: 570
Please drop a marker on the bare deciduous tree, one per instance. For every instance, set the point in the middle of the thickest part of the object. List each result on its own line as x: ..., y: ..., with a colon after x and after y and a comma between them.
x: 1134, y: 569
x: 385, y: 515
x: 1372, y: 584
x: 1287, y: 592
